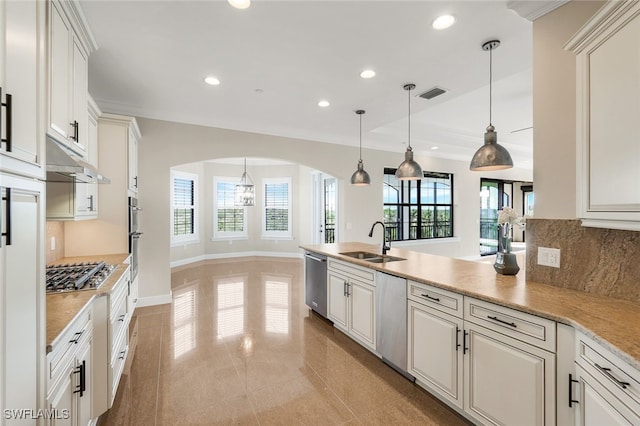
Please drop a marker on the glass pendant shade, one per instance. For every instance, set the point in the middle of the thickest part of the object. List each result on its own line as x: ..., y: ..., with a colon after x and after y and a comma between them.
x: 360, y: 177
x: 409, y: 169
x: 245, y: 192
x: 491, y: 155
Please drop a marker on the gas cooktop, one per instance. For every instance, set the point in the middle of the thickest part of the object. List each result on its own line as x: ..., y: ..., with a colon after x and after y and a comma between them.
x: 77, y: 276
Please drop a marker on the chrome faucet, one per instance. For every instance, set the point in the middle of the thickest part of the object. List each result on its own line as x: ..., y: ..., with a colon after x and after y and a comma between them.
x: 385, y: 247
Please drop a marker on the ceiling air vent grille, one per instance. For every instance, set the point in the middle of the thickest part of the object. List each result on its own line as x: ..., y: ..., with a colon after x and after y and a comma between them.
x: 432, y: 93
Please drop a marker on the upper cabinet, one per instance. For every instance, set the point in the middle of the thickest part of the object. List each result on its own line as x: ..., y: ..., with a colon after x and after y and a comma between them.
x: 22, y: 55
x: 70, y: 43
x: 608, y: 107
x: 132, y: 159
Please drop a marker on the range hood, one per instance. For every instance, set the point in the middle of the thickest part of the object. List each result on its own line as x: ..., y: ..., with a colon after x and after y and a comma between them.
x: 64, y: 165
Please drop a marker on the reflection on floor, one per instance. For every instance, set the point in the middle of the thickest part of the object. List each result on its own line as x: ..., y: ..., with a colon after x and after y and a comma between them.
x: 238, y: 346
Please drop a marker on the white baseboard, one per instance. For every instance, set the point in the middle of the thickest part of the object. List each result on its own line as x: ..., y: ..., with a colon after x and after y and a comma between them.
x: 233, y: 255
x: 161, y: 299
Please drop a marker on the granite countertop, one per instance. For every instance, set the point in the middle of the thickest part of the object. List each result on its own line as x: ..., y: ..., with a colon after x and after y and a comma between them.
x: 63, y: 308
x: 613, y: 322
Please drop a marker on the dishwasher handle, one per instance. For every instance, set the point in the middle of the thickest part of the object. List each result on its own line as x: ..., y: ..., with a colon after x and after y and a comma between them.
x: 317, y: 259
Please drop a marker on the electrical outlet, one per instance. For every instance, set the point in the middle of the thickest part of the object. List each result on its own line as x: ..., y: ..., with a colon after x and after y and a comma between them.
x: 549, y: 257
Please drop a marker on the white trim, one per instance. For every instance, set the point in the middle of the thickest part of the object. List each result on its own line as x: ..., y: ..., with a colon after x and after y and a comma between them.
x: 532, y: 10
x: 233, y: 255
x: 161, y: 299
x: 177, y: 240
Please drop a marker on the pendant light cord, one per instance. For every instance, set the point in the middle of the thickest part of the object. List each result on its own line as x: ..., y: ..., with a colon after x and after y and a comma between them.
x: 490, y: 82
x: 360, y: 136
x: 409, y: 117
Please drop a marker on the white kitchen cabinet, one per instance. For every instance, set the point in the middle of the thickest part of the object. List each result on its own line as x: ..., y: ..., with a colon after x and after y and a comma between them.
x: 606, y: 390
x: 132, y: 160
x: 608, y: 106
x: 21, y: 292
x: 70, y: 43
x: 351, y: 295
x: 62, y: 399
x: 22, y: 54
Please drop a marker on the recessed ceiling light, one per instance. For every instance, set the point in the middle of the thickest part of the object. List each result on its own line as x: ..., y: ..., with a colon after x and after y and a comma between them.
x: 443, y: 22
x: 323, y: 104
x: 435, y: 147
x: 368, y: 74
x: 211, y: 80
x: 240, y: 4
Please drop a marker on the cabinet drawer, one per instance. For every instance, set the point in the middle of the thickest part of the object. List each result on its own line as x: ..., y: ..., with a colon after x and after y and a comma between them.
x: 119, y: 319
x: 615, y: 374
x: 117, y: 364
x: 537, y: 331
x: 65, y: 346
x: 353, y: 270
x: 440, y: 299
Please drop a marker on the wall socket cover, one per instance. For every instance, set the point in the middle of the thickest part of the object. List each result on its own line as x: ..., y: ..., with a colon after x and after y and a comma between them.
x: 549, y: 257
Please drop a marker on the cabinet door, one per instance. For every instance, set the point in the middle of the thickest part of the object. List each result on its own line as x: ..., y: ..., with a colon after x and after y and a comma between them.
x: 507, y: 382
x: 337, y: 306
x: 435, y: 351
x: 20, y: 78
x: 62, y: 401
x: 86, y: 200
x: 83, y: 406
x: 21, y: 276
x: 132, y: 148
x: 59, y: 74
x: 80, y: 86
x: 362, y: 302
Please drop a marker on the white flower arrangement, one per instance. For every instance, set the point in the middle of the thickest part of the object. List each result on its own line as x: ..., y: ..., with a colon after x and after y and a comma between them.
x: 508, y: 216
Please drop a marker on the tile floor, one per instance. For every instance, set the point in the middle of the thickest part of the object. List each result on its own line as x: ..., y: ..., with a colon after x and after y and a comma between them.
x: 238, y: 346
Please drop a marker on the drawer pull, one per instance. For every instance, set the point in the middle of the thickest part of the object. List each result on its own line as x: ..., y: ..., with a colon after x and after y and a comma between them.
x: 607, y: 372
x: 429, y: 297
x: 76, y: 337
x: 510, y: 324
x: 122, y: 317
x: 122, y: 354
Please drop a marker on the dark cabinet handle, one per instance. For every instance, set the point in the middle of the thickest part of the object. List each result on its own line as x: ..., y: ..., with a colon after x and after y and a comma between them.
x: 76, y: 338
x: 571, y: 400
x: 457, y: 334
x: 607, y: 372
x: 122, y: 354
x: 90, y: 197
x: 464, y: 342
x: 510, y: 324
x: 75, y: 126
x: 429, y: 297
x: 82, y: 370
x: 135, y: 178
x: 7, y: 215
x: 122, y: 317
x: 9, y: 130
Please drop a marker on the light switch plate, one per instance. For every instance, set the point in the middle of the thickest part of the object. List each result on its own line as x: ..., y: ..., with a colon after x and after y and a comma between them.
x: 53, y: 243
x: 549, y: 257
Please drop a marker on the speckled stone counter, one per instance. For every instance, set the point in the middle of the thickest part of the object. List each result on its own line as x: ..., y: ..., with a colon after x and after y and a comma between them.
x: 613, y: 322
x: 63, y: 308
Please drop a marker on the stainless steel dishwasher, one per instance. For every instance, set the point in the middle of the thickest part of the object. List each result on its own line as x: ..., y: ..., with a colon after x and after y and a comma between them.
x: 391, y: 321
x: 315, y: 282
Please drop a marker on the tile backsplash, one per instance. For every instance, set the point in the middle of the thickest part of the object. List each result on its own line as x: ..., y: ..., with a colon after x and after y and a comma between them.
x: 600, y: 261
x: 55, y: 229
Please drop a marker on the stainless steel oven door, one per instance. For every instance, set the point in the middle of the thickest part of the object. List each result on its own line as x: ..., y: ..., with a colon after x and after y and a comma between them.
x: 134, y: 238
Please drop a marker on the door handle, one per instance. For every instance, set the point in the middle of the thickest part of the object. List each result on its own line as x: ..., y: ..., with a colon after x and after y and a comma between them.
x: 7, y: 219
x: 464, y: 342
x: 7, y: 104
x: 571, y: 382
x: 90, y: 197
x: 457, y: 334
x: 75, y: 126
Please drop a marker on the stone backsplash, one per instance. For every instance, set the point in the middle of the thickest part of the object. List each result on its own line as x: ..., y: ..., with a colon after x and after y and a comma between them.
x: 601, y: 261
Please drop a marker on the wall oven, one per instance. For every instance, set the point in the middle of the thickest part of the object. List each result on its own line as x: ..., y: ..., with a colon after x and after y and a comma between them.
x: 134, y: 235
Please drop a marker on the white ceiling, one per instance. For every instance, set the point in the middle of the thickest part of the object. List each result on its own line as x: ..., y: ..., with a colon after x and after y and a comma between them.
x: 277, y: 59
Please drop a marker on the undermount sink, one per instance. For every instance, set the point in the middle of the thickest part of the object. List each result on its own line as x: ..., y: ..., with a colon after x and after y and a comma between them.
x: 372, y: 257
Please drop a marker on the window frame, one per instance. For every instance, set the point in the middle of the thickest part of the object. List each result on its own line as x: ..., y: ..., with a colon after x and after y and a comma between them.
x: 282, y: 235
x: 227, y: 235
x: 193, y: 237
x: 407, y: 188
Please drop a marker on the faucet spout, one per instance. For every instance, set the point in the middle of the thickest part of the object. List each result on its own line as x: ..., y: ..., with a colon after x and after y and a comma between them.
x: 385, y: 247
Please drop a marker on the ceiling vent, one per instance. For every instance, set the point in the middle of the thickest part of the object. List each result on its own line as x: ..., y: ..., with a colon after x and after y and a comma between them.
x: 432, y: 93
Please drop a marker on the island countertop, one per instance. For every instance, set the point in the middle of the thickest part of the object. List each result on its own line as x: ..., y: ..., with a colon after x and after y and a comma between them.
x: 613, y: 322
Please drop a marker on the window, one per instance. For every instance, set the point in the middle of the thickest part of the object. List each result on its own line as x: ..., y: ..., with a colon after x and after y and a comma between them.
x: 229, y: 220
x: 184, y: 214
x: 419, y: 209
x: 276, y: 217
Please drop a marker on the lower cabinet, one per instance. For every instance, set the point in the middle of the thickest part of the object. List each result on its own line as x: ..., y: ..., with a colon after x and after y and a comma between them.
x: 484, y: 370
x: 605, y: 389
x: 351, y: 295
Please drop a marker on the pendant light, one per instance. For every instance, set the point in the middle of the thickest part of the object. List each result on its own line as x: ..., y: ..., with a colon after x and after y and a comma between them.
x: 491, y: 155
x: 409, y: 169
x: 360, y: 177
x: 245, y: 193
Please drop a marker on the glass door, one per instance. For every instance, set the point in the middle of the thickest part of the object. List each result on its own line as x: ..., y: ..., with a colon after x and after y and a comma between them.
x: 494, y: 194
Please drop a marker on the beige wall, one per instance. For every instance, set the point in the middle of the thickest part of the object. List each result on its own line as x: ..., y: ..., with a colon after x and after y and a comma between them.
x: 554, y: 109
x: 165, y: 145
